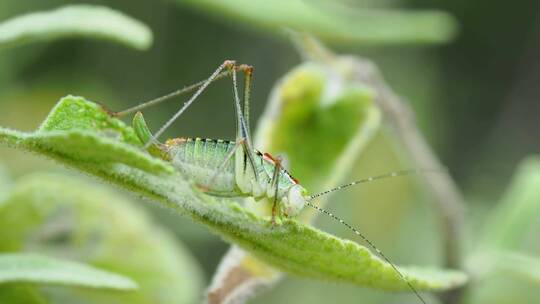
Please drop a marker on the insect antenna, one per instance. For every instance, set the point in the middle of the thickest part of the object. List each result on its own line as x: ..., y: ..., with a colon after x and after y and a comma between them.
x: 379, y: 252
x: 378, y: 177
x: 356, y: 231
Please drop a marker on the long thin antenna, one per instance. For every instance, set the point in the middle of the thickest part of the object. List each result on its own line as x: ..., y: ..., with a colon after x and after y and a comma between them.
x: 378, y: 177
x: 371, y: 245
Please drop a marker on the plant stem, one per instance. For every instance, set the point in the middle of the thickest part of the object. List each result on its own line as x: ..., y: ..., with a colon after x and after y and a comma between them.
x: 449, y: 201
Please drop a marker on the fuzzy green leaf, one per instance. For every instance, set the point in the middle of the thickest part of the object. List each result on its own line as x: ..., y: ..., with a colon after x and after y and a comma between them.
x: 93, y: 137
x: 291, y: 246
x: 32, y: 268
x: 335, y: 23
x: 76, y: 20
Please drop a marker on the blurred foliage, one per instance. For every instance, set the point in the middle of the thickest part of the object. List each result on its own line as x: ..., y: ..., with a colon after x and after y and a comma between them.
x: 336, y: 21
x: 32, y: 268
x: 78, y: 20
x: 65, y: 217
x: 320, y: 121
x: 510, y: 223
x: 475, y: 99
x: 321, y: 115
x: 501, y: 254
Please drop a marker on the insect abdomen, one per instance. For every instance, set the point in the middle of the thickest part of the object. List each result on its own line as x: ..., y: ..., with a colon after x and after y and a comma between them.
x: 200, y: 160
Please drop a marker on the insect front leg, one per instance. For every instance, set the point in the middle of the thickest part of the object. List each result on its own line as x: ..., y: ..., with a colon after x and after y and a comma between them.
x: 245, y: 168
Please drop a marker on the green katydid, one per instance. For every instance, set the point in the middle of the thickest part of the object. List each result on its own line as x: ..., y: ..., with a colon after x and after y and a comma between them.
x: 235, y: 168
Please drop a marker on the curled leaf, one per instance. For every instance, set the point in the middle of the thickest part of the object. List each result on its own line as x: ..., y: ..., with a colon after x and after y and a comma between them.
x: 76, y: 20
x: 292, y: 246
x: 32, y: 268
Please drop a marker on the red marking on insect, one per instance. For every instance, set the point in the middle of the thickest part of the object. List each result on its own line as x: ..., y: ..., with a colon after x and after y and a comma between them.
x: 269, y: 157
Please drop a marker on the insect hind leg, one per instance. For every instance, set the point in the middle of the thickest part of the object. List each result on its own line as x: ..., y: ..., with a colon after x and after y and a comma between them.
x: 169, y: 96
x: 222, y: 71
x: 186, y: 105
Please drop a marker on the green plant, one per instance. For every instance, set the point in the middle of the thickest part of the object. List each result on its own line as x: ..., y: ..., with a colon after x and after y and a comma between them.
x: 63, y: 239
x: 82, y: 135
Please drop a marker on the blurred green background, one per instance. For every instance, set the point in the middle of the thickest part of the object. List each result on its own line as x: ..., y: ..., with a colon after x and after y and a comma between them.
x: 476, y: 100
